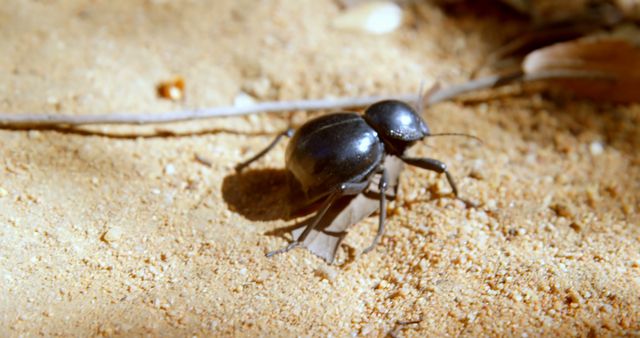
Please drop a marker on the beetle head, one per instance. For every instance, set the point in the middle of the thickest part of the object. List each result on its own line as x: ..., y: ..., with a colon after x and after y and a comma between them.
x: 397, y: 123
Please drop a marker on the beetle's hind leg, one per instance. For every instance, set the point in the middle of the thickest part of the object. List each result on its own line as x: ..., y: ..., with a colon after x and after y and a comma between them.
x: 382, y: 187
x: 345, y: 189
x: 242, y: 165
x: 307, y: 230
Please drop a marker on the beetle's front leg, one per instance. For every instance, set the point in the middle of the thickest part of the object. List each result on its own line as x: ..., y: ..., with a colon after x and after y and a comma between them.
x: 433, y: 165
x: 382, y: 188
x: 439, y: 167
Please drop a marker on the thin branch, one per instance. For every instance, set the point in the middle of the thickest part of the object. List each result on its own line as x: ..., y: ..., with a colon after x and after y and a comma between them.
x: 495, y: 81
x: 492, y: 81
x: 569, y: 74
x: 43, y: 120
x: 27, y: 121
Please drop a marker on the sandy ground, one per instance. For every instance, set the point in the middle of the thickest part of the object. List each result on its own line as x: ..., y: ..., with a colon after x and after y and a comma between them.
x: 123, y: 236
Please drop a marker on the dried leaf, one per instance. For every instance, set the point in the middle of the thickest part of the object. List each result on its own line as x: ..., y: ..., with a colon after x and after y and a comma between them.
x: 333, y: 226
x: 603, y: 68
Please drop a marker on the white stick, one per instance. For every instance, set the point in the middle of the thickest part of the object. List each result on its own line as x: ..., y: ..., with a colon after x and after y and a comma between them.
x: 43, y: 120
x: 492, y: 81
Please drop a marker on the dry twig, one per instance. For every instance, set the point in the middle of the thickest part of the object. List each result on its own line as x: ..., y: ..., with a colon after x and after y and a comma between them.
x: 26, y: 121
x: 44, y: 120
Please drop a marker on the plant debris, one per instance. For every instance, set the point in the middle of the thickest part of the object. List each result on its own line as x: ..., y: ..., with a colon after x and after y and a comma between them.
x: 172, y: 90
x: 333, y: 226
x: 601, y: 68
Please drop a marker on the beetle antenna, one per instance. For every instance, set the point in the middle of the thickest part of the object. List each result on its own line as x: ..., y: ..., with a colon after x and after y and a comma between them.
x: 424, y: 95
x: 457, y: 134
x: 420, y: 98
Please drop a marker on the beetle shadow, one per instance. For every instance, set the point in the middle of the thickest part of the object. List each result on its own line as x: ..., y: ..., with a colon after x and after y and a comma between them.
x: 262, y: 195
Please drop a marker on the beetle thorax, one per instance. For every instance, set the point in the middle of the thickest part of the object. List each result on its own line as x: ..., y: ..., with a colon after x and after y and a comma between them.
x: 397, y: 124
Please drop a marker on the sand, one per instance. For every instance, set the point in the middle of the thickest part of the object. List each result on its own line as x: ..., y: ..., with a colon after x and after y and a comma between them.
x: 128, y: 236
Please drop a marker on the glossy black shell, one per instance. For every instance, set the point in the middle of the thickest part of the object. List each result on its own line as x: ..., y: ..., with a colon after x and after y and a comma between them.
x: 333, y: 149
x: 396, y: 121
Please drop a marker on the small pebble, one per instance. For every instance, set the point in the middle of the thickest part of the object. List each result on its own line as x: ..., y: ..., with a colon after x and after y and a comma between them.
x: 169, y: 169
x: 263, y: 276
x: 476, y: 174
x: 52, y: 100
x: 377, y: 17
x: 606, y: 308
x: 367, y: 329
x: 34, y: 134
x: 169, y: 197
x: 574, y: 298
x: 326, y: 272
x: 3, y: 192
x: 112, y: 235
x: 260, y: 87
x: 516, y: 296
x: 243, y: 99
x: 492, y: 204
x: 563, y: 210
x: 596, y: 148
x: 577, y: 227
x: 202, y: 160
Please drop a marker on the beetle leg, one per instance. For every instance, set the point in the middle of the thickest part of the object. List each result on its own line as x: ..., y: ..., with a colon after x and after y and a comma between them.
x: 352, y: 188
x: 382, y: 187
x: 344, y: 189
x: 242, y: 165
x: 307, y: 230
x: 395, y: 189
x: 433, y: 165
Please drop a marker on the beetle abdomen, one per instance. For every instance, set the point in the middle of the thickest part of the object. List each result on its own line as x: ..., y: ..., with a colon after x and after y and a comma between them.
x: 331, y: 150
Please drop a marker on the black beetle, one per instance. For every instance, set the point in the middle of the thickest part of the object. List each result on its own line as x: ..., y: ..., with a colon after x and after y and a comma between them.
x: 337, y: 154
